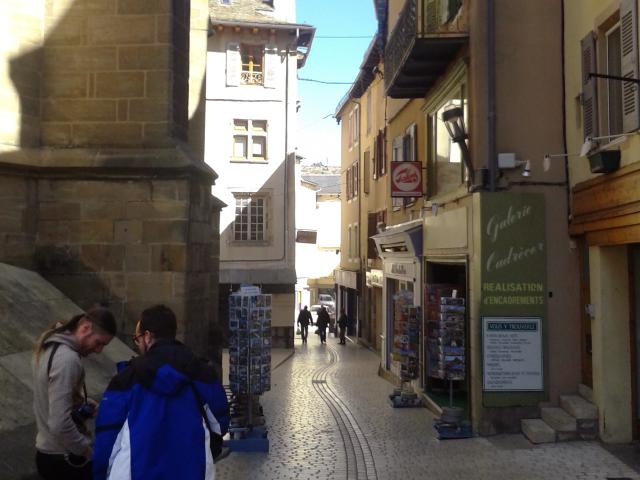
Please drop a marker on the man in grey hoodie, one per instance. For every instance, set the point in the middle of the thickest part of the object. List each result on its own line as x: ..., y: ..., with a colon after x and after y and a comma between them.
x: 61, y: 406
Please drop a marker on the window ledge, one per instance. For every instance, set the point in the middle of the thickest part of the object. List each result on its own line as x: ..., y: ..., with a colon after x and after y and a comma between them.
x: 245, y: 160
x: 250, y: 243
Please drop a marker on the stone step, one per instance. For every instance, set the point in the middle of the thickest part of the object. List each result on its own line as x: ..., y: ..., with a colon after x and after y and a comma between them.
x: 585, y: 392
x: 537, y: 431
x: 578, y: 407
x: 563, y: 423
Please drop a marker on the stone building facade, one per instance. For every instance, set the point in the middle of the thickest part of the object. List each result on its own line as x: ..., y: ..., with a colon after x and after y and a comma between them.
x: 103, y: 187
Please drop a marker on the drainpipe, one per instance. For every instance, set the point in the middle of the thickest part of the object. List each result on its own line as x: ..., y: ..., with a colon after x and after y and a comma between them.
x: 491, y: 95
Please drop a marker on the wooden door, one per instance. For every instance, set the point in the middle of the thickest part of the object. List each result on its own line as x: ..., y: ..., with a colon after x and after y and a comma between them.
x: 585, y: 314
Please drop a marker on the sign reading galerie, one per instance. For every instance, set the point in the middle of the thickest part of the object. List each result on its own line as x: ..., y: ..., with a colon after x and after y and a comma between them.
x: 406, y: 179
x: 513, y: 297
x: 512, y: 354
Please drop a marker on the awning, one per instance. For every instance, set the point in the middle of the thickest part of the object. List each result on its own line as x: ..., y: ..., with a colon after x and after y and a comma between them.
x: 402, y: 240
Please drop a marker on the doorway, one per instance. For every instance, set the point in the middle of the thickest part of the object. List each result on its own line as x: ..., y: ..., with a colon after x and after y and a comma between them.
x: 446, y: 330
x: 586, y: 345
x: 634, y: 334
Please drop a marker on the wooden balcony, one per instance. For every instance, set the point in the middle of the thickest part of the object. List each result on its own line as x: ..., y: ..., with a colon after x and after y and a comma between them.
x: 423, y: 43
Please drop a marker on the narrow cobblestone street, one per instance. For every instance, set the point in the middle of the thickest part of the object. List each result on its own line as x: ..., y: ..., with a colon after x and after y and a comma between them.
x: 328, y: 418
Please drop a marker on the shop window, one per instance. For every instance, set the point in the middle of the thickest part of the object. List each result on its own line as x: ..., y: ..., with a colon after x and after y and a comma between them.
x: 445, y: 169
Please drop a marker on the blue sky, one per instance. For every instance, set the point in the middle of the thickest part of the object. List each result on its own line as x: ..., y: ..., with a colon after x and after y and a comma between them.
x: 333, y: 60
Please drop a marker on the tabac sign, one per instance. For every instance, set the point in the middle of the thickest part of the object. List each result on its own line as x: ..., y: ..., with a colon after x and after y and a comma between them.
x: 406, y: 179
x: 513, y: 288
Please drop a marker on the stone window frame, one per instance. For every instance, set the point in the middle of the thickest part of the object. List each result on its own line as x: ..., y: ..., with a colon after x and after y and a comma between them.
x: 246, y: 130
x: 246, y: 217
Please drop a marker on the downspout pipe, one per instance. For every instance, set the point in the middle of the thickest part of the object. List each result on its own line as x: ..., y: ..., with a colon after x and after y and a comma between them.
x: 491, y: 96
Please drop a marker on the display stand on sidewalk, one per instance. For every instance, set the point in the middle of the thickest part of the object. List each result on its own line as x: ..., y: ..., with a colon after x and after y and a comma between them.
x: 249, y: 368
x: 405, y: 349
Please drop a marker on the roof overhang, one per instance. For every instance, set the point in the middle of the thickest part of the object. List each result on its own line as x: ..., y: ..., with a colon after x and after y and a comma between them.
x: 304, y: 33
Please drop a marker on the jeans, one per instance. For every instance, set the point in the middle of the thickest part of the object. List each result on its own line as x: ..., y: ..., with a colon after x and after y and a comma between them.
x: 323, y: 335
x: 343, y: 331
x: 67, y: 467
x: 304, y: 332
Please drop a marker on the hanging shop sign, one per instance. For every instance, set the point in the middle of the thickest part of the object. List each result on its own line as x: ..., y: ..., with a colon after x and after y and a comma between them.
x: 346, y: 278
x: 406, y: 179
x: 374, y: 278
x: 512, y: 354
x: 513, y: 285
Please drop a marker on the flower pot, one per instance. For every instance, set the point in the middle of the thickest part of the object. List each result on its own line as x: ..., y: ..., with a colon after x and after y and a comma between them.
x: 604, y: 162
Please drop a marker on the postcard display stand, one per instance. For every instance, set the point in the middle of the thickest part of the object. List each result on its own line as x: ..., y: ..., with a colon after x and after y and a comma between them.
x: 249, y: 367
x: 446, y: 353
x: 406, y: 321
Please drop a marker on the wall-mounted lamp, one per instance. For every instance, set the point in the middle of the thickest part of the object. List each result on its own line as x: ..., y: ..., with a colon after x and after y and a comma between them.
x: 508, y: 160
x: 453, y: 119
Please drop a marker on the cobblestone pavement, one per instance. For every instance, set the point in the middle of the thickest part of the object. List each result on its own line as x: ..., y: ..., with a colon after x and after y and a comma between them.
x: 328, y: 418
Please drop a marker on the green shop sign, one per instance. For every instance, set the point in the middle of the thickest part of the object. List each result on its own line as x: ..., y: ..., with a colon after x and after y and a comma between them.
x: 513, y: 282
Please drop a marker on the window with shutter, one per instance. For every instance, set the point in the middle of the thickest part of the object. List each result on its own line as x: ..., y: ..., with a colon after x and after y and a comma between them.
x: 233, y: 65
x: 375, y: 160
x: 383, y: 149
x: 629, y: 61
x: 589, y: 92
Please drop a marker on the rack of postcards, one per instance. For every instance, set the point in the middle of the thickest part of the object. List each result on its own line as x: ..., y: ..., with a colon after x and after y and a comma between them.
x: 445, y: 334
x: 406, y: 324
x: 249, y: 357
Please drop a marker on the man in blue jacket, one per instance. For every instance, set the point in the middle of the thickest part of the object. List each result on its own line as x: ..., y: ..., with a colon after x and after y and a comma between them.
x: 159, y: 415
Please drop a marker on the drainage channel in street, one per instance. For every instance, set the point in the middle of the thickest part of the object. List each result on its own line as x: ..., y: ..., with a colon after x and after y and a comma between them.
x: 359, y: 458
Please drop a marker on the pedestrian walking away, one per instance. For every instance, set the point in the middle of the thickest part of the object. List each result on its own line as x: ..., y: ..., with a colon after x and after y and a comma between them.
x: 322, y: 323
x: 60, y: 402
x: 164, y: 414
x: 343, y: 320
x: 304, y: 319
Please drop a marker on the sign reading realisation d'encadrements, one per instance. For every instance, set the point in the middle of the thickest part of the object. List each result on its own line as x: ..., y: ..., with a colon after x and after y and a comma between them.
x: 512, y: 354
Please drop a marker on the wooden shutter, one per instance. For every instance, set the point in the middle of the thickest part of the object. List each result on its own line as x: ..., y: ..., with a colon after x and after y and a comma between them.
x: 367, y: 167
x: 375, y: 160
x: 271, y: 64
x: 372, y: 229
x: 589, y: 90
x: 629, y: 52
x: 383, y: 150
x: 234, y: 64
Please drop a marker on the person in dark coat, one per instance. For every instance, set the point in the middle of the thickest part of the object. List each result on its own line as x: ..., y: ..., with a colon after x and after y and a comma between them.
x: 342, y: 323
x: 322, y: 323
x: 304, y: 319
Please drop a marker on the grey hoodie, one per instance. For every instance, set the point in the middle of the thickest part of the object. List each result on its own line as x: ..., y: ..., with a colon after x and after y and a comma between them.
x: 55, y: 396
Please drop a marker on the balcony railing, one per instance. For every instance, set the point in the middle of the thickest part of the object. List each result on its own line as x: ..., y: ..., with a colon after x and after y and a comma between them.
x: 425, y: 39
x: 251, y: 78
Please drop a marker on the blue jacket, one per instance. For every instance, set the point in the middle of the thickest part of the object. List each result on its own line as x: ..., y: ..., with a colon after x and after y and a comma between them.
x: 149, y: 425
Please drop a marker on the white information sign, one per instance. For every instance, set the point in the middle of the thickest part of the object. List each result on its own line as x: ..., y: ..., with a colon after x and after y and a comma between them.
x: 512, y: 354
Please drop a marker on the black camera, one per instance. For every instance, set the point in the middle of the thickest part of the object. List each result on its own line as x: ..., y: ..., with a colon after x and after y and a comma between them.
x: 83, y: 412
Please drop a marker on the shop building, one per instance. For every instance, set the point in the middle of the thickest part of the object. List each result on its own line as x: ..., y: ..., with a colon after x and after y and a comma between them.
x: 601, y: 38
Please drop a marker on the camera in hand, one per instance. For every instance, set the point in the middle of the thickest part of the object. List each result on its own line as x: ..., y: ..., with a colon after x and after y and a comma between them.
x: 83, y: 412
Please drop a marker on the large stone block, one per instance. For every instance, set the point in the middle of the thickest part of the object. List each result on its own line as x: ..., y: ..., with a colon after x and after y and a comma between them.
x: 144, y: 57
x: 163, y: 33
x: 154, y: 286
x: 77, y: 59
x: 57, y: 232
x: 137, y: 258
x: 59, y: 211
x: 168, y: 258
x: 107, y: 134
x: 146, y: 110
x: 158, y: 84
x: 128, y: 231
x: 68, y: 30
x: 66, y: 85
x: 168, y: 231
x: 122, y: 29
x: 95, y: 208
x: 56, y: 134
x: 144, y: 6
x: 113, y: 191
x: 119, y: 84
x: 163, y: 190
x: 157, y: 134
x: 537, y: 431
x: 84, y: 110
x: 99, y: 258
x: 97, y: 231
x: 157, y: 210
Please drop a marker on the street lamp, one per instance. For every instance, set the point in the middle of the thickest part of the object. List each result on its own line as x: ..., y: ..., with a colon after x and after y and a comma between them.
x: 453, y: 119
